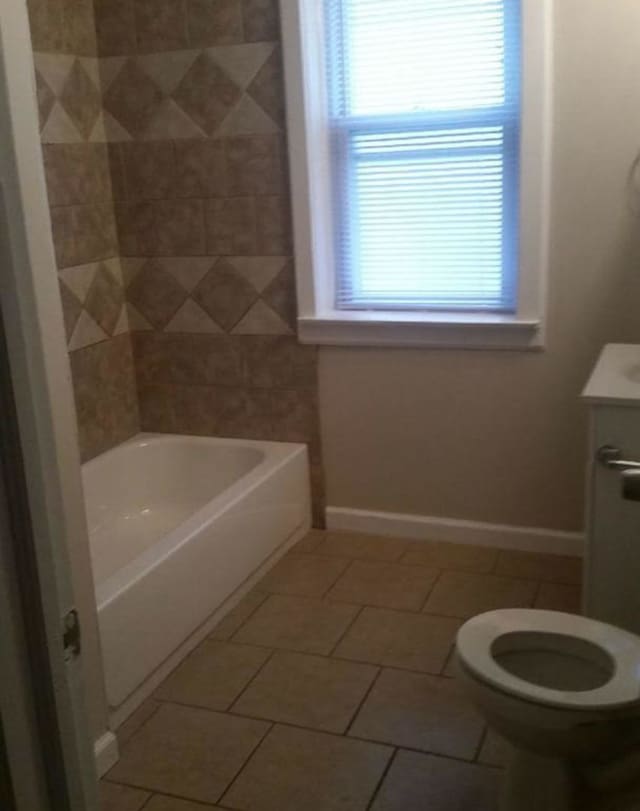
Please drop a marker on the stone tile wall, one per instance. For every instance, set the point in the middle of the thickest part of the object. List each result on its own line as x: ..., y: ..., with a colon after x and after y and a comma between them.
x: 178, y: 167
x: 76, y: 162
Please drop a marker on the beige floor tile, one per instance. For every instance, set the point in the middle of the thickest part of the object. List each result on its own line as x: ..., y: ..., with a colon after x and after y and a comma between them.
x: 398, y: 639
x: 121, y: 798
x: 136, y: 720
x: 495, y: 750
x: 162, y: 803
x: 214, y: 675
x: 309, y: 543
x: 551, y: 568
x: 188, y: 752
x: 363, y: 547
x: 298, y: 770
x: 228, y: 625
x: 418, y: 782
x: 300, y: 624
x: 308, y: 691
x: 388, y: 585
x: 303, y: 575
x: 559, y: 597
x: 464, y: 594
x: 420, y: 712
x: 451, y: 556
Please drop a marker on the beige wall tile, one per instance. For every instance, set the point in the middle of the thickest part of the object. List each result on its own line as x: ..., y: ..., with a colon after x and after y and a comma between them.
x: 115, y: 27
x: 214, y: 22
x: 105, y: 395
x: 206, y: 93
x: 261, y: 20
x: 161, y: 25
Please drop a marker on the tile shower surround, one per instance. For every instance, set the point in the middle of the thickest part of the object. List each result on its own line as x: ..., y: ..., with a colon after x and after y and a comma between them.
x: 166, y: 167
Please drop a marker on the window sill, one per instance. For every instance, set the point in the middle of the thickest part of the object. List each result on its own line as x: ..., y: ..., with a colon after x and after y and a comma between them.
x: 407, y: 329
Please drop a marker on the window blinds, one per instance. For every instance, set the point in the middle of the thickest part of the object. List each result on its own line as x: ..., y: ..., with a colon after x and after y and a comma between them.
x: 424, y: 118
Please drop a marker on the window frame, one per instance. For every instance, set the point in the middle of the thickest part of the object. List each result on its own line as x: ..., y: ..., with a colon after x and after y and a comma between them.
x: 319, y: 322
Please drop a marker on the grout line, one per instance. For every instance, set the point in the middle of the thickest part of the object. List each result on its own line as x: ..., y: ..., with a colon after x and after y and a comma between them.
x: 126, y: 743
x: 537, y: 593
x: 345, y: 632
x: 481, y: 743
x: 339, y: 577
x: 436, y: 580
x: 362, y: 702
x: 251, y: 680
x: 245, y: 763
x: 447, y: 662
x: 383, y: 777
x: 246, y: 620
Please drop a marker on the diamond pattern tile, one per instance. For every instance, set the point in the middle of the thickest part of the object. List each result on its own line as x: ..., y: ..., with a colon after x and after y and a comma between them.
x: 105, y: 299
x: 46, y: 99
x: 206, y: 93
x: 81, y: 99
x: 225, y: 294
x: 156, y: 294
x: 267, y: 88
x: 133, y: 98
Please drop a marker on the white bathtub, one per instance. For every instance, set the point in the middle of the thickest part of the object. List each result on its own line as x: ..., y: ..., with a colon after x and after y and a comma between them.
x: 177, y: 526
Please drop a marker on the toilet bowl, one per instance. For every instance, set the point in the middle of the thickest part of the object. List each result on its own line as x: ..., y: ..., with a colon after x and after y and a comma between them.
x: 564, y: 690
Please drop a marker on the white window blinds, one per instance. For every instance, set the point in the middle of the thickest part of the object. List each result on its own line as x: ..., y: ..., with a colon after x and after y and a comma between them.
x: 425, y: 127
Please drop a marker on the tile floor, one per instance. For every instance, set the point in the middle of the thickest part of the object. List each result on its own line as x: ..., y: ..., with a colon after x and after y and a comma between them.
x: 331, y: 686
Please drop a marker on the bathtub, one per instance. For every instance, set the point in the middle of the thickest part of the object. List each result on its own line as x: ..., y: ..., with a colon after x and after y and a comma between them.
x: 178, y: 526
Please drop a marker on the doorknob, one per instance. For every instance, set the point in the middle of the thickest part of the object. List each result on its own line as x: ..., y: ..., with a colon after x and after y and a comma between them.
x: 611, y: 457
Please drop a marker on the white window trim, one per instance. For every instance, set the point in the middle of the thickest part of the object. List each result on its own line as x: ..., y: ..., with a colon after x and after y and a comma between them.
x: 310, y: 163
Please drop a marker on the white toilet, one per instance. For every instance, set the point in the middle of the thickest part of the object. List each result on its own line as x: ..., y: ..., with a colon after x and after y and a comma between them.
x: 564, y: 690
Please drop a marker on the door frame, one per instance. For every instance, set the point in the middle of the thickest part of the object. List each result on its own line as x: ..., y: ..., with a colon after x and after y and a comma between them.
x: 44, y: 550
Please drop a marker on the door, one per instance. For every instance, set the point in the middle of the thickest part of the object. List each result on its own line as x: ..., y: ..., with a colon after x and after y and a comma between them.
x: 48, y: 752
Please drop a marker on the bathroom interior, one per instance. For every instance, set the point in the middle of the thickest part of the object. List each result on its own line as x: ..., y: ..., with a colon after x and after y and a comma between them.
x: 342, y: 299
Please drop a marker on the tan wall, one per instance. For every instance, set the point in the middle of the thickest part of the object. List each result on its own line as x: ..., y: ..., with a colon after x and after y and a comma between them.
x: 500, y: 436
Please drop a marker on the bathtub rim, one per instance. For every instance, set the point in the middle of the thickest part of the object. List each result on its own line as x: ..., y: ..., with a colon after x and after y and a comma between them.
x: 276, y: 454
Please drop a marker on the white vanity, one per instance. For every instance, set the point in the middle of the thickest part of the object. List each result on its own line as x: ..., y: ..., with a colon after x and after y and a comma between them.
x: 612, y: 556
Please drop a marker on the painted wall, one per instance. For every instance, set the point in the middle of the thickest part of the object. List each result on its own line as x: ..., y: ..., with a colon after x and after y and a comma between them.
x: 500, y: 436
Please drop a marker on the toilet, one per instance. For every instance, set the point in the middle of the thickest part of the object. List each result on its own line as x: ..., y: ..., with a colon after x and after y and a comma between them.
x: 564, y: 690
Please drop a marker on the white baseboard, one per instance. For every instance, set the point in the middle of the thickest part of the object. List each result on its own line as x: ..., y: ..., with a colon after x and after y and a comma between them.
x: 453, y: 530
x: 106, y: 752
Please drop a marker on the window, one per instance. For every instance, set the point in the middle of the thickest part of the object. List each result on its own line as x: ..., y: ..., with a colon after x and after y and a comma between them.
x: 418, y: 144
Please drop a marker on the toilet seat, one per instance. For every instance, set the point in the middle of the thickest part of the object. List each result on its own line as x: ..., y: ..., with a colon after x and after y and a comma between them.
x: 477, y: 637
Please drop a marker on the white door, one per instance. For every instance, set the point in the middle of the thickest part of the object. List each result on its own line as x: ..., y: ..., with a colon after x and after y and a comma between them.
x: 42, y: 697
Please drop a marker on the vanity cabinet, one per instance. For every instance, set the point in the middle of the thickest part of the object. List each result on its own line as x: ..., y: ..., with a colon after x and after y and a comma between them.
x: 612, y: 554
